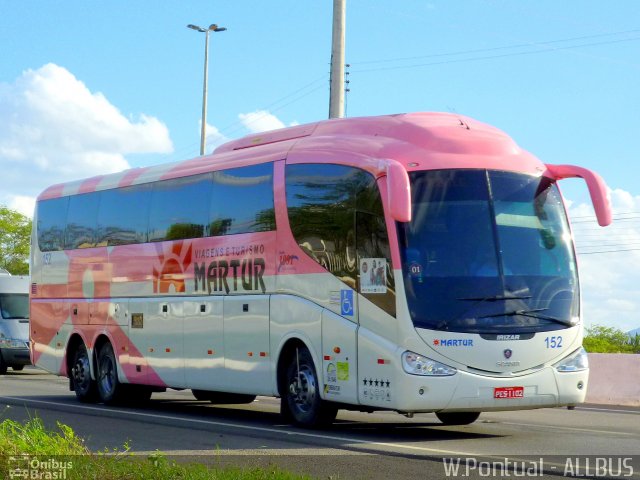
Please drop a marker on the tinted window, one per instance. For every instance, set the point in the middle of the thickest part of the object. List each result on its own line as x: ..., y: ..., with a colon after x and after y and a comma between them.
x: 321, y: 207
x: 82, y: 221
x: 530, y: 215
x: 122, y: 216
x: 375, y: 280
x: 52, y: 218
x: 487, y: 251
x: 242, y: 201
x: 451, y: 231
x: 14, y: 305
x: 332, y: 210
x: 179, y: 208
x: 227, y: 202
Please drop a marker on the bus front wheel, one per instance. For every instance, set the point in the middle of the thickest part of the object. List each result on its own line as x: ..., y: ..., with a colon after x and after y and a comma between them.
x: 457, y: 418
x: 301, y: 402
x: 83, y: 385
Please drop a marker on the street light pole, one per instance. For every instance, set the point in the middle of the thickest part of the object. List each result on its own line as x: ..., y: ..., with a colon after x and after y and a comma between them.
x: 212, y: 28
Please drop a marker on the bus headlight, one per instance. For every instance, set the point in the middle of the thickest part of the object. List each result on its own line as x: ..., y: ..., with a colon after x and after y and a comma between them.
x: 418, y: 365
x: 575, y: 362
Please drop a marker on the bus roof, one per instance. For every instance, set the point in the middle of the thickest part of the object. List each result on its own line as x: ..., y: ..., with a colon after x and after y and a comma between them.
x: 419, y: 141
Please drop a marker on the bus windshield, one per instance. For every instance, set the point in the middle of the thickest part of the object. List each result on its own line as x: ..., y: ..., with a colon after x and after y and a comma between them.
x: 488, y: 252
x: 14, y: 305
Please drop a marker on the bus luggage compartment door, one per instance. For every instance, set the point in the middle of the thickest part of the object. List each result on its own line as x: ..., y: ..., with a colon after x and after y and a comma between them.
x: 246, y: 344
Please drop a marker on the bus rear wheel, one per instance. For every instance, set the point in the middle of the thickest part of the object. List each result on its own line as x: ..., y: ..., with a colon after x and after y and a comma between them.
x: 457, y: 418
x: 109, y: 387
x: 84, y: 386
x: 301, y: 402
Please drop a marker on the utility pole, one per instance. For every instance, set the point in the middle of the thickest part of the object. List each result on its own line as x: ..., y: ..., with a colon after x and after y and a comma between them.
x: 336, y: 92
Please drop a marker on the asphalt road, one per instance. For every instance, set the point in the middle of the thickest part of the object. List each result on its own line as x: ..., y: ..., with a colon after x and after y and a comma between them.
x: 592, y: 440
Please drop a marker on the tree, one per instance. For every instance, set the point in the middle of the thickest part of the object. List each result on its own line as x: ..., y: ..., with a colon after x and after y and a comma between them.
x: 15, y: 232
x: 601, y: 339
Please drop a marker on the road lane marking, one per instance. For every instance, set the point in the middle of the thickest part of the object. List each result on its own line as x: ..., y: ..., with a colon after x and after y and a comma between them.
x: 596, y: 409
x: 571, y: 429
x: 549, y: 466
x: 248, y: 427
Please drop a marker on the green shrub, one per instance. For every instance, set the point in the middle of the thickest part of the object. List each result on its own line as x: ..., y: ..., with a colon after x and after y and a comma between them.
x: 21, y: 444
x: 601, y: 339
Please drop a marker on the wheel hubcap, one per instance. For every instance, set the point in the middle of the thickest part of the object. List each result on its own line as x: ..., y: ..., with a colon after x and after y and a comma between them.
x: 80, y: 372
x: 303, y: 390
x: 107, y: 375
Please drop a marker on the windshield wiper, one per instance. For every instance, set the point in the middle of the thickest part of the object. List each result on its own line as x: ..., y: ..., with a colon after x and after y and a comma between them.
x: 531, y: 314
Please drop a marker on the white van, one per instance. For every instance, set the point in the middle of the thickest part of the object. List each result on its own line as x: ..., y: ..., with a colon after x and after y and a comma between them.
x: 14, y: 322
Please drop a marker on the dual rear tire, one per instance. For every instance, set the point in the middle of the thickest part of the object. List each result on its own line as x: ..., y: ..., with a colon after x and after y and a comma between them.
x: 83, y: 385
x: 106, y: 388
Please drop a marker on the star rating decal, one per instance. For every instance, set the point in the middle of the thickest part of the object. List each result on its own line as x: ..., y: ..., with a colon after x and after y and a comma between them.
x: 376, y: 382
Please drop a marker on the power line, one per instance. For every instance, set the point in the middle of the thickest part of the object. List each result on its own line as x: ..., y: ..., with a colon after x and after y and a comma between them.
x: 607, y: 245
x: 505, y: 47
x: 490, y: 57
x: 610, y: 251
x: 592, y: 216
x: 623, y: 219
x: 621, y: 236
x: 229, y: 129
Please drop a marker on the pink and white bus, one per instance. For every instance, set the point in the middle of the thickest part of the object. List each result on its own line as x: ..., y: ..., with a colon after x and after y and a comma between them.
x: 418, y: 263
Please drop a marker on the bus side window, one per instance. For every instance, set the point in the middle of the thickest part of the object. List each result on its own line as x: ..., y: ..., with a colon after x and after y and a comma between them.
x: 242, y: 201
x: 321, y: 209
x: 122, y: 215
x: 377, y: 282
x: 179, y: 208
x: 52, y: 219
x: 82, y: 221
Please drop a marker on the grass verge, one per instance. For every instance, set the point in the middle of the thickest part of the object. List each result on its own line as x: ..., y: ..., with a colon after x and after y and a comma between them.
x: 29, y: 450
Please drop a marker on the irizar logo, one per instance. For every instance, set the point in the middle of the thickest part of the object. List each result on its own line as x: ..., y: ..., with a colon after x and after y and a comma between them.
x: 507, y: 337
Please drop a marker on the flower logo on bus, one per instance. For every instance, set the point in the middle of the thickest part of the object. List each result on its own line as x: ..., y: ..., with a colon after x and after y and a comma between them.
x: 170, y: 277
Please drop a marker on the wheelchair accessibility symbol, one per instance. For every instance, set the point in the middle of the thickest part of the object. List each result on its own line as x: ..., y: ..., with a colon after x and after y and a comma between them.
x: 346, y: 302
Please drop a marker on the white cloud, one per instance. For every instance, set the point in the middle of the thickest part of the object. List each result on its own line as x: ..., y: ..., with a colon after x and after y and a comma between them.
x: 213, y: 138
x: 54, y: 129
x: 611, y: 278
x: 23, y: 204
x: 261, y: 121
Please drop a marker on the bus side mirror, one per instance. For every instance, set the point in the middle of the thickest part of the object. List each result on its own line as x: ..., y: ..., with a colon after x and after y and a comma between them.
x: 398, y: 191
x: 595, y: 183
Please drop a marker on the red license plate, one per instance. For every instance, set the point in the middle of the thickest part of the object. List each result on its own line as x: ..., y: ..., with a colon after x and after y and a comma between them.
x: 508, y: 392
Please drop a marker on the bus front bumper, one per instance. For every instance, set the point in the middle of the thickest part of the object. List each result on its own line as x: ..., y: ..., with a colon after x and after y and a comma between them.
x: 466, y: 391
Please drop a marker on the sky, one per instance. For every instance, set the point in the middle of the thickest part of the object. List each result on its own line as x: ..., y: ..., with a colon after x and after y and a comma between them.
x: 88, y: 88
